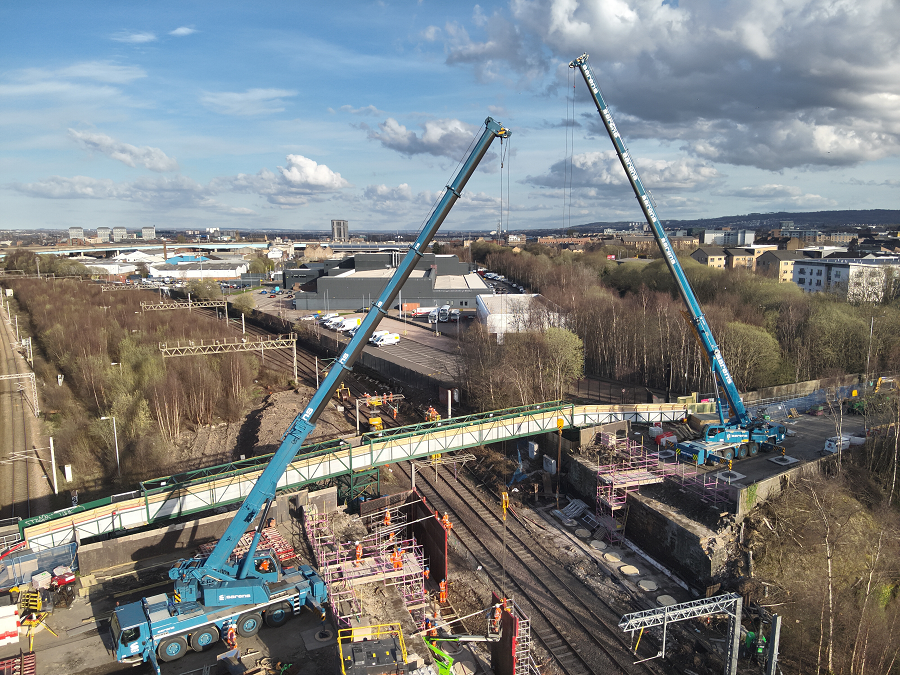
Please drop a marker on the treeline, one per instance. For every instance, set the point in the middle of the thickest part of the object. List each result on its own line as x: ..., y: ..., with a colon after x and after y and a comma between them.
x: 108, y: 351
x: 530, y: 366
x: 630, y: 319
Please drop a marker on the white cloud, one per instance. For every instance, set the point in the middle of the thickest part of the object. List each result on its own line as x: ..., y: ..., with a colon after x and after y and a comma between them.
x: 250, y: 102
x: 771, y: 84
x: 303, y: 173
x: 150, y: 158
x: 296, y: 184
x: 441, y: 138
x: 431, y: 33
x: 369, y: 110
x: 101, y: 71
x: 134, y: 38
x: 774, y: 194
x: 182, y: 31
x: 599, y: 169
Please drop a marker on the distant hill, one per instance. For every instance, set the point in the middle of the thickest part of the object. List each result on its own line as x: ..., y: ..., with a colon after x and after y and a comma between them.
x: 826, y: 220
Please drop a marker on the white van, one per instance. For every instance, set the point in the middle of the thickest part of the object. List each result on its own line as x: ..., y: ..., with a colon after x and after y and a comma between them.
x: 347, y: 324
x: 378, y: 334
x: 389, y: 339
x: 325, y: 318
x: 444, y: 314
x: 433, y: 316
x: 831, y: 444
x: 333, y: 323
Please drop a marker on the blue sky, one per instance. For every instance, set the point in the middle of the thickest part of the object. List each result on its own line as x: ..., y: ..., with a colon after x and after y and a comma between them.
x: 286, y: 115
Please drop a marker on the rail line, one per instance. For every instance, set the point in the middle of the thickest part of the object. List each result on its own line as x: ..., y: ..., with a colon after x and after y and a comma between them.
x: 559, y: 615
x: 15, y: 413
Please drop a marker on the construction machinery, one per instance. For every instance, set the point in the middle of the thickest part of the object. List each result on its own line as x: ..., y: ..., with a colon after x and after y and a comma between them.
x: 740, y: 435
x: 215, y: 592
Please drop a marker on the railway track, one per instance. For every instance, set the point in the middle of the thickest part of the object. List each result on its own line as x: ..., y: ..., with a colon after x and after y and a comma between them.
x: 582, y: 638
x: 14, y: 413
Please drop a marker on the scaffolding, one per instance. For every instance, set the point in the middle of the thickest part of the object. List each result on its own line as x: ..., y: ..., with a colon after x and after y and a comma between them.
x: 524, y: 659
x: 632, y: 466
x: 383, y: 556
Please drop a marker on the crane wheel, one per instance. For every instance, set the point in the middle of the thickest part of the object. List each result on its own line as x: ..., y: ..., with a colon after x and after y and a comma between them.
x: 172, y: 649
x: 753, y: 448
x: 728, y: 454
x: 742, y: 451
x: 203, y: 638
x: 248, y: 625
x: 277, y: 615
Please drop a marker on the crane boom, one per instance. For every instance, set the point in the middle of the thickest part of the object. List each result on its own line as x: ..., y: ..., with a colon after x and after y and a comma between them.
x: 720, y: 370
x: 215, y: 567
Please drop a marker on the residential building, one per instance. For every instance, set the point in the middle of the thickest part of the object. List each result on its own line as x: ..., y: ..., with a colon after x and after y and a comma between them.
x: 866, y: 279
x: 103, y: 234
x: 76, y: 233
x: 711, y: 256
x: 340, y: 231
x: 119, y: 234
x: 778, y: 264
x: 515, y: 240
x: 148, y: 232
x: 728, y: 238
x: 738, y: 258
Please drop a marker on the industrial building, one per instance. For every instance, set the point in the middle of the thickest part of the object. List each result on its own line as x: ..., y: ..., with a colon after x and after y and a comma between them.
x: 503, y: 314
x: 357, y: 281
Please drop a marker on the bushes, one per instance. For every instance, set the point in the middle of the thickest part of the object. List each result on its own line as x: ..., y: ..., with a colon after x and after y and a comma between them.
x: 108, y: 351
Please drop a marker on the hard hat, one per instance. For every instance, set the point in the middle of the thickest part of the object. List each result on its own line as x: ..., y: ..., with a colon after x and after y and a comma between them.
x: 357, y: 543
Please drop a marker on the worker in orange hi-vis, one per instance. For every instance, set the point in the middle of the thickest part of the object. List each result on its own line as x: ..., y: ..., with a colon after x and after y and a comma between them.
x: 359, y: 554
x: 498, y: 611
x: 426, y: 572
x: 443, y: 594
x: 445, y: 521
x: 397, y: 558
x: 387, y: 518
x: 231, y: 636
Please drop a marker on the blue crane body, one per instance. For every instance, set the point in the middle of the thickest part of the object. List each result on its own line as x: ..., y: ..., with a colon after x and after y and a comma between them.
x: 742, y: 433
x: 225, y: 589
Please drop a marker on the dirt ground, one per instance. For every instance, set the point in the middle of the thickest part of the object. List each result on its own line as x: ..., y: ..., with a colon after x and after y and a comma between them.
x: 261, y: 430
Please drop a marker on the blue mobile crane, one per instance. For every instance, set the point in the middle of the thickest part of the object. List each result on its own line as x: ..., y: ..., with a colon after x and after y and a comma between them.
x: 223, y: 590
x: 741, y: 435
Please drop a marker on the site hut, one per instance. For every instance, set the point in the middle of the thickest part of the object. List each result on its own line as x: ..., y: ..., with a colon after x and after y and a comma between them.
x: 357, y: 281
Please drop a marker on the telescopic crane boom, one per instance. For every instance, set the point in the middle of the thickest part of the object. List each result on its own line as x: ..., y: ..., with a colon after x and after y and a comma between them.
x: 264, y: 490
x: 720, y: 370
x: 225, y: 591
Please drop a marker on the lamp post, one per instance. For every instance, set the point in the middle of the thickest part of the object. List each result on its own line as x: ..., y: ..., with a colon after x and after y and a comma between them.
x: 116, y: 442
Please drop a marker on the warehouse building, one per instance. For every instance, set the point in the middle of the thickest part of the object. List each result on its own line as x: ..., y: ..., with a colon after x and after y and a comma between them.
x: 502, y: 314
x: 357, y: 282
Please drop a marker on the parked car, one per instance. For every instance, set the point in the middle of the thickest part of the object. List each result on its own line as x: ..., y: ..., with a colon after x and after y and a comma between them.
x: 271, y: 295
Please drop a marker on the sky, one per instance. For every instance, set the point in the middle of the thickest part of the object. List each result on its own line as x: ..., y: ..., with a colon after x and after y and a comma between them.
x: 190, y: 115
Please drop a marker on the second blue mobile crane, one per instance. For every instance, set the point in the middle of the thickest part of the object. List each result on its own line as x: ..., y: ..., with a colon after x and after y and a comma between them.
x: 738, y: 434
x: 223, y: 590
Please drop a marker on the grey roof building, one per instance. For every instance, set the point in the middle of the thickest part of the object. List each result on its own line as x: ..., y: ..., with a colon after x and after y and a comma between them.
x: 358, y: 281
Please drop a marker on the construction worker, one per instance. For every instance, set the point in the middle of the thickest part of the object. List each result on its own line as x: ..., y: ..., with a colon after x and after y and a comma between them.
x: 445, y: 521
x: 387, y: 518
x: 359, y: 554
x: 443, y: 594
x: 397, y: 559
x: 426, y: 572
x: 231, y: 636
x: 498, y: 612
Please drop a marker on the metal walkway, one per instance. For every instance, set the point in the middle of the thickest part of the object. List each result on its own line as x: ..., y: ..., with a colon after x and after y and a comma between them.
x: 164, y: 499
